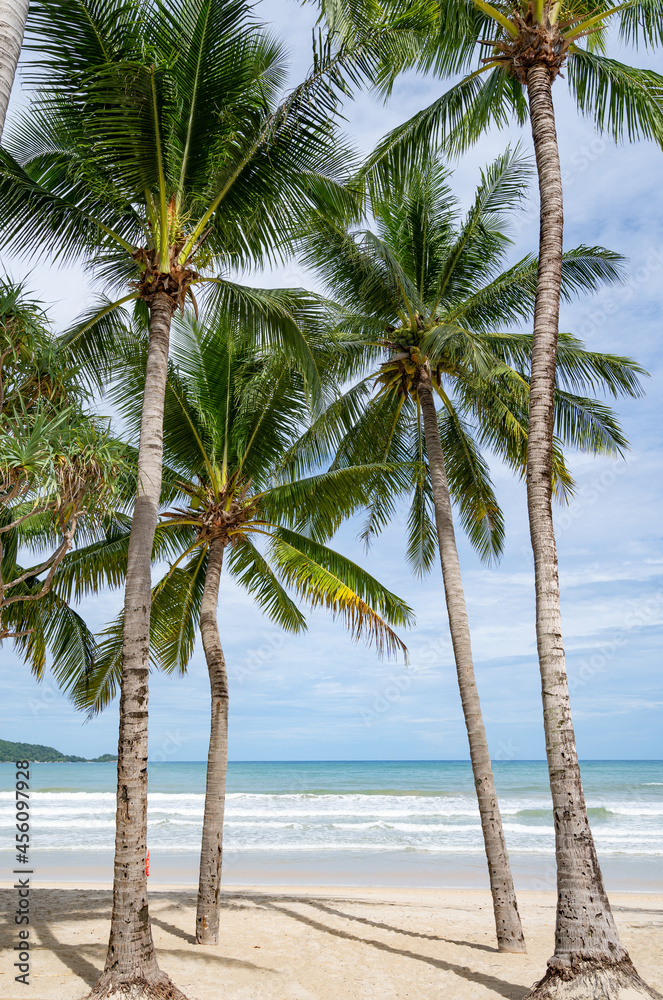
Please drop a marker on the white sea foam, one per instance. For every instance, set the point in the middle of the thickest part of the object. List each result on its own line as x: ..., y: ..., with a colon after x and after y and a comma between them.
x: 625, y: 816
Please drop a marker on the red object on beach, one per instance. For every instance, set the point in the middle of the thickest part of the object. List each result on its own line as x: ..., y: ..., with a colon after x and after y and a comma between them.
x: 147, y: 864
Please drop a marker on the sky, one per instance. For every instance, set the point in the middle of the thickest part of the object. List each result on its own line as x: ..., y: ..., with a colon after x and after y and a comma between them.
x: 321, y: 696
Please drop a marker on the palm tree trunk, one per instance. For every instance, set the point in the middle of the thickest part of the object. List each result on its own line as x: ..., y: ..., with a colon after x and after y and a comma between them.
x: 586, y: 940
x: 507, y: 919
x: 13, y: 15
x: 131, y: 963
x: 211, y: 853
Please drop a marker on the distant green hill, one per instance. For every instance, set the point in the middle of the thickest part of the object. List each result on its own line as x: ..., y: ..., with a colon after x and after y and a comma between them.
x: 35, y: 753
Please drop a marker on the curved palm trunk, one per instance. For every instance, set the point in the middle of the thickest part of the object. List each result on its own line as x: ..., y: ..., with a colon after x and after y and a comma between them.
x: 507, y: 919
x: 587, y: 945
x: 131, y: 964
x: 13, y: 15
x: 211, y: 853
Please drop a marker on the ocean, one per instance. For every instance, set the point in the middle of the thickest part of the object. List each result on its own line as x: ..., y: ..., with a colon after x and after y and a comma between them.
x: 411, y: 823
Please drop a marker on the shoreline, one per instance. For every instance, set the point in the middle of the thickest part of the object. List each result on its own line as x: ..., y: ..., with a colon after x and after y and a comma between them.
x: 385, y: 869
x: 261, y: 889
x: 317, y: 943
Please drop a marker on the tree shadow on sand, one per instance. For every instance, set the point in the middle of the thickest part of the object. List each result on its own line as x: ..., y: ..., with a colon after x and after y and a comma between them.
x: 318, y: 904
x: 511, y: 991
x: 86, y: 959
x: 80, y: 958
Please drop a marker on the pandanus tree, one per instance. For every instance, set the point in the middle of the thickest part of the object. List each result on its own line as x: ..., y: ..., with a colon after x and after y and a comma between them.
x: 157, y: 152
x: 230, y: 413
x: 62, y: 479
x: 511, y: 53
x: 59, y: 469
x: 426, y: 288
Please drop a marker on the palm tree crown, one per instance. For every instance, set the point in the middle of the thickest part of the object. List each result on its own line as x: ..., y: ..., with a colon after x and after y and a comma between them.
x: 494, y: 45
x: 230, y: 414
x: 429, y: 288
x: 157, y: 149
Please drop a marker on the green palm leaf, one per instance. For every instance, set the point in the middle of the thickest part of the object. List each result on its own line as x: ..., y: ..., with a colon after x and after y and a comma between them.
x: 175, y: 613
x: 54, y: 628
x: 97, y: 689
x: 250, y: 568
x: 621, y: 100
x: 327, y: 579
x: 470, y: 486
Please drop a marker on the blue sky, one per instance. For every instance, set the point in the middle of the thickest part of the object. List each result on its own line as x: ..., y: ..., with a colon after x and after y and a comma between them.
x: 320, y: 696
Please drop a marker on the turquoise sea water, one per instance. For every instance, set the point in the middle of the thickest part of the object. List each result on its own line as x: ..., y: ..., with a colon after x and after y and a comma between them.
x: 359, y: 822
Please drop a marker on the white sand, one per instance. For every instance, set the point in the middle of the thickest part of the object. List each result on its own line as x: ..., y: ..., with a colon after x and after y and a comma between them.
x: 315, y: 944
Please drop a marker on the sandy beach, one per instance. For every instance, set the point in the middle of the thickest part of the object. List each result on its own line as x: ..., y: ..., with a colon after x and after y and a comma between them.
x: 336, y: 943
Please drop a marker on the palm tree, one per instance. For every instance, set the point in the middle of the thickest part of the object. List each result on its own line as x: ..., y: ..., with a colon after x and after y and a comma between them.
x: 229, y: 415
x: 13, y: 14
x: 156, y: 149
x: 521, y: 46
x: 428, y: 287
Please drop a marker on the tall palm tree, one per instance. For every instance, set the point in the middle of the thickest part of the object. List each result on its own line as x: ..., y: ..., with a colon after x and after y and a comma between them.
x: 13, y: 14
x: 157, y: 151
x: 427, y: 287
x: 521, y: 46
x: 229, y: 415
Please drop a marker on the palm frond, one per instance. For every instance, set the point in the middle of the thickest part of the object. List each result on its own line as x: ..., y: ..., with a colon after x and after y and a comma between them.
x: 622, y: 100
x: 175, y: 614
x: 31, y: 215
x: 588, y: 425
x: 510, y: 296
x: 71, y: 37
x: 97, y: 338
x: 273, y: 317
x: 97, y: 689
x: 454, y: 122
x: 641, y: 20
x: 55, y: 632
x: 327, y: 579
x: 252, y: 570
x: 421, y: 531
x: 470, y: 486
x: 321, y: 503
x: 317, y: 445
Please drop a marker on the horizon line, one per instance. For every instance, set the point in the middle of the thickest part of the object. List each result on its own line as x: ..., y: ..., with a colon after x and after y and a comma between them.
x: 412, y: 760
